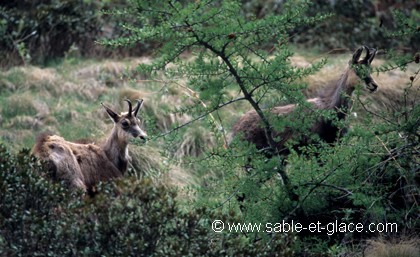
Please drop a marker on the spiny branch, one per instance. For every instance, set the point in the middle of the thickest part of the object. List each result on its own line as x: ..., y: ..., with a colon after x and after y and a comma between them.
x: 247, y: 96
x: 199, y: 117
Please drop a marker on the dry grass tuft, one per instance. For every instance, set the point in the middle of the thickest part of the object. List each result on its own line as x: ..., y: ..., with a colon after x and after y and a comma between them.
x: 330, y: 73
x: 96, y: 70
x: 395, y: 90
x: 393, y: 85
x: 131, y: 94
x: 50, y: 82
x: 300, y: 61
x: 194, y: 142
x: 182, y: 179
x: 25, y: 122
x: 15, y: 138
x: 47, y: 81
x: 111, y: 72
x: 31, y: 77
x: 403, y: 248
x: 90, y: 89
x: 20, y: 104
x: 36, y: 76
x: 5, y: 84
x: 146, y: 161
x: 162, y: 117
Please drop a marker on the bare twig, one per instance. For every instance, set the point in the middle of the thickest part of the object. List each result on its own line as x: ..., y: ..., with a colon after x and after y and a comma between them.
x: 345, y: 190
x: 389, y: 152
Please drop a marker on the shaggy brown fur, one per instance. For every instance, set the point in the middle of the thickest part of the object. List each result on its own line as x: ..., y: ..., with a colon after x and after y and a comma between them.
x: 335, y: 97
x: 84, y: 165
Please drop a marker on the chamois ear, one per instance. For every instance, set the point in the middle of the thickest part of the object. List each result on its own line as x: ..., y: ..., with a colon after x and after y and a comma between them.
x: 115, y: 117
x: 357, y: 55
x: 138, y: 106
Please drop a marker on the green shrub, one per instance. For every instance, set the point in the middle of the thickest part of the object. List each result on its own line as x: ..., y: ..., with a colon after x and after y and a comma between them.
x: 43, y: 30
x: 353, y: 23
x: 368, y: 176
x: 29, y: 205
x: 127, y: 217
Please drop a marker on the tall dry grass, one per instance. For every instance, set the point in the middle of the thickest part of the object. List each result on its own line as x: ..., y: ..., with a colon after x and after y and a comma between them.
x: 393, y: 248
x: 395, y: 89
x: 65, y: 99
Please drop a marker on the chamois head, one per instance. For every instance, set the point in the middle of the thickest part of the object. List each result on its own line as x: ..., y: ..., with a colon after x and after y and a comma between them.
x: 127, y: 124
x: 362, y: 67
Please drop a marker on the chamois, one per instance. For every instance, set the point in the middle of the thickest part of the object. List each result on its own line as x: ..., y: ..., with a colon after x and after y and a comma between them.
x: 84, y: 165
x: 335, y: 97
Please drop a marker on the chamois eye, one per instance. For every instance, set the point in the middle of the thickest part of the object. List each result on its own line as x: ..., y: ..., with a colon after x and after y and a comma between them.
x: 125, y: 124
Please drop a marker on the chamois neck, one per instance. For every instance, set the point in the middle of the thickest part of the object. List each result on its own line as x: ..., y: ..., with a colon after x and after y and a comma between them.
x: 116, y: 149
x: 337, y: 96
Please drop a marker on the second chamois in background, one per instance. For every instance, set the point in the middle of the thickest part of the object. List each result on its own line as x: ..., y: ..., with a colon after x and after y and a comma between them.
x: 84, y: 165
x: 335, y: 97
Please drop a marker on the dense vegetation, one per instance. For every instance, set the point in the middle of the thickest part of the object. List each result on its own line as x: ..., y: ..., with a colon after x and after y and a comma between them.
x: 128, y: 217
x: 212, y: 62
x: 40, y: 32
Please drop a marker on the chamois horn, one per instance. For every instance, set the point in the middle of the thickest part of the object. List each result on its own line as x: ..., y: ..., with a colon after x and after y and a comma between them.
x: 357, y: 54
x: 370, y: 54
x: 137, y: 108
x: 130, y: 108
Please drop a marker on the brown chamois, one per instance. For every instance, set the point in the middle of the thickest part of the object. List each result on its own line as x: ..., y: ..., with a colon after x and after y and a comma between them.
x: 84, y: 165
x: 335, y: 97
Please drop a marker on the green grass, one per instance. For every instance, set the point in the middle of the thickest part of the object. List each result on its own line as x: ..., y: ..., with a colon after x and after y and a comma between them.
x: 18, y: 104
x: 13, y: 78
x: 65, y: 99
x: 73, y: 91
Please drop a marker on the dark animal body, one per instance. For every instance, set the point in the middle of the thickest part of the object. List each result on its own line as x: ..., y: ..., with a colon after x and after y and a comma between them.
x: 336, y: 98
x: 84, y: 165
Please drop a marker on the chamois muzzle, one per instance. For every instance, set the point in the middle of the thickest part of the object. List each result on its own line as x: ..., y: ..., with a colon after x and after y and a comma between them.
x: 140, y: 134
x: 372, y: 86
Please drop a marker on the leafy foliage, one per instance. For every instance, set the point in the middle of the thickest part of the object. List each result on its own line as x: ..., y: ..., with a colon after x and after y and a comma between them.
x: 41, y: 30
x: 352, y: 23
x: 370, y: 175
x: 240, y: 58
x: 126, y: 218
x: 228, y: 51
